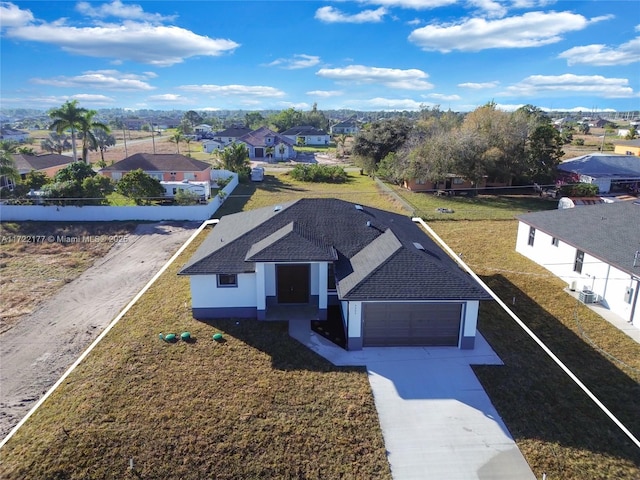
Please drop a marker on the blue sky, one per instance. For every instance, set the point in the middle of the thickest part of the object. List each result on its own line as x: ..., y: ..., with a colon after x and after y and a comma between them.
x: 364, y: 55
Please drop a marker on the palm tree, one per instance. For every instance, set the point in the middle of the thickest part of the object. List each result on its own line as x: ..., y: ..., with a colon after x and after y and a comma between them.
x: 68, y: 116
x: 8, y: 171
x: 176, y: 138
x: 281, y: 149
x: 87, y: 127
x: 56, y: 143
x: 104, y: 140
x: 269, y: 151
x: 187, y: 139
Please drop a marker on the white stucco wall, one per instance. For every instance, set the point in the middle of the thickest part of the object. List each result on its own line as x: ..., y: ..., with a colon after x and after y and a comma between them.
x: 470, y: 312
x: 354, y: 327
x: 606, y: 281
x: 206, y: 294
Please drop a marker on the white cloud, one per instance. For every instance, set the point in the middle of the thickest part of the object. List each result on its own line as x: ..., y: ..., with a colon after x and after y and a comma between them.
x: 167, y: 98
x: 119, y: 10
x: 325, y: 93
x: 531, y: 29
x: 12, y: 16
x: 99, y: 79
x: 380, y: 103
x: 135, y: 41
x: 479, y: 86
x: 412, y: 79
x: 297, y: 106
x: 296, y: 62
x: 443, y: 97
x: 240, y: 90
x: 490, y: 8
x: 93, y: 99
x: 412, y: 4
x: 602, y: 55
x: 569, y: 84
x: 333, y: 15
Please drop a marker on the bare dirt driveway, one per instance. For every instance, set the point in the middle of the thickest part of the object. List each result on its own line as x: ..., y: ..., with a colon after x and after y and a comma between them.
x: 38, y: 349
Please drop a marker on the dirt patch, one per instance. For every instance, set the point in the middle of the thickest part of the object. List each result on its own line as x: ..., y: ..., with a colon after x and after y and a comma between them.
x: 41, y: 345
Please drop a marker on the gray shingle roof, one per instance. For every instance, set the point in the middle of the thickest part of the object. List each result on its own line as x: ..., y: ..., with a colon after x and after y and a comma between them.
x: 373, y: 250
x: 160, y: 162
x: 609, y: 231
x: 303, y: 130
x: 603, y: 165
x: 25, y: 163
x: 257, y: 138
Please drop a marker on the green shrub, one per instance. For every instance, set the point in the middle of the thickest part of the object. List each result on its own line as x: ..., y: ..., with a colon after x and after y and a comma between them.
x: 579, y: 190
x: 319, y: 173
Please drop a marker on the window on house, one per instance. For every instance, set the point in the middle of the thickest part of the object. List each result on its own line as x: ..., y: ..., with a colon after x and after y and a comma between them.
x: 227, y: 280
x: 532, y: 236
x: 458, y: 181
x: 189, y: 175
x: 420, y: 182
x: 555, y: 241
x: 116, y: 175
x: 331, y: 276
x: 577, y: 265
x: 157, y: 176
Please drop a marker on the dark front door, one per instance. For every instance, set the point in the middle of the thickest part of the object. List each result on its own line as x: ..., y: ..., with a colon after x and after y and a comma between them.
x: 293, y: 283
x: 259, y: 152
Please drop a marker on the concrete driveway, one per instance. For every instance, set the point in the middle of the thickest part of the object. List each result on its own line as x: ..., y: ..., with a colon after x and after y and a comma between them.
x: 436, y: 419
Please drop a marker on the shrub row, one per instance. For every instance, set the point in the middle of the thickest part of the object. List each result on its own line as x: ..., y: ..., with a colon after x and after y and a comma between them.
x: 319, y: 173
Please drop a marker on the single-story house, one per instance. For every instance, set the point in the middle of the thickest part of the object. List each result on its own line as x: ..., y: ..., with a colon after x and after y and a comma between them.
x: 210, y: 146
x: 607, y: 171
x: 393, y: 285
x: 307, y: 135
x: 13, y: 135
x: 628, y: 147
x: 264, y: 143
x: 203, y: 128
x: 346, y: 127
x: 595, y: 250
x: 230, y: 135
x: 49, y: 163
x: 452, y: 184
x: 168, y: 167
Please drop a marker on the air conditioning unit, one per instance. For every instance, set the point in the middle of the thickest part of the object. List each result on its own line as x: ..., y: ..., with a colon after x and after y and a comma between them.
x: 587, y: 296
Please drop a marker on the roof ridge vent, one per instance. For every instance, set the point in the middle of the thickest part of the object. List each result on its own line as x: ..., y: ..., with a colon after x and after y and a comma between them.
x: 277, y: 208
x: 418, y: 246
x: 358, y: 207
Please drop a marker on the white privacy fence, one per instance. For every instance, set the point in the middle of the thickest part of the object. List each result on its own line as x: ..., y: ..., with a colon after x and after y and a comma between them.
x: 92, y: 213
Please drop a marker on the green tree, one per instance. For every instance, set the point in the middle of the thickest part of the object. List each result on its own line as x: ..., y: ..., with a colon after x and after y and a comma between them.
x: 235, y: 158
x: 88, y: 127
x: 374, y: 143
x: 74, y: 172
x: 68, y: 117
x: 140, y: 187
x: 633, y: 133
x: 35, y: 180
x: 176, y: 138
x: 584, y: 128
x: 56, y: 143
x: 8, y: 170
x: 192, y: 118
x: 544, y: 153
x: 254, y: 120
x: 286, y: 119
x: 103, y: 140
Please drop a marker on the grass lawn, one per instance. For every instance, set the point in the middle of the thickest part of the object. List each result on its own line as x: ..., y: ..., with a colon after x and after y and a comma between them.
x: 260, y: 405
x: 557, y: 427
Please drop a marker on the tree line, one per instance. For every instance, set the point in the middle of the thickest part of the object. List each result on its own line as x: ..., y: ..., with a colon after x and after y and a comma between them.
x: 517, y: 147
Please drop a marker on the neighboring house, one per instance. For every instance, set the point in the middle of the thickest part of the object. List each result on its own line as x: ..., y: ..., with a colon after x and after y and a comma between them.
x: 230, y: 135
x: 347, y: 127
x: 629, y: 147
x: 393, y: 285
x: 595, y: 250
x: 13, y: 135
x: 203, y: 128
x: 451, y: 184
x: 135, y: 123
x: 307, y: 135
x: 598, y: 122
x: 164, y: 167
x: 260, y: 142
x: 210, y: 146
x: 48, y: 164
x: 607, y: 171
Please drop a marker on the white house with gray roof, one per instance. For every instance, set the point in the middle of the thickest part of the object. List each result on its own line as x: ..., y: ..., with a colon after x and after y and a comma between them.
x: 604, y: 170
x: 391, y: 284
x: 595, y: 250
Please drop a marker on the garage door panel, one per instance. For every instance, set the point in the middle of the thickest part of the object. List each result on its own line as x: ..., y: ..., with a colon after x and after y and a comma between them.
x: 413, y: 324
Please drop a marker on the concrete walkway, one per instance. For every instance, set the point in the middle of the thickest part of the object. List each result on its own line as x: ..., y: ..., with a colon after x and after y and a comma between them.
x: 436, y: 419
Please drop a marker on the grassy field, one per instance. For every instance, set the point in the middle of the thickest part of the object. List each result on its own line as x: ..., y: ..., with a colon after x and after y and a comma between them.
x: 259, y: 405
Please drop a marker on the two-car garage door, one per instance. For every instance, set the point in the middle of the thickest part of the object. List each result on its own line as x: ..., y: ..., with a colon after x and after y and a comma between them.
x: 417, y: 324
